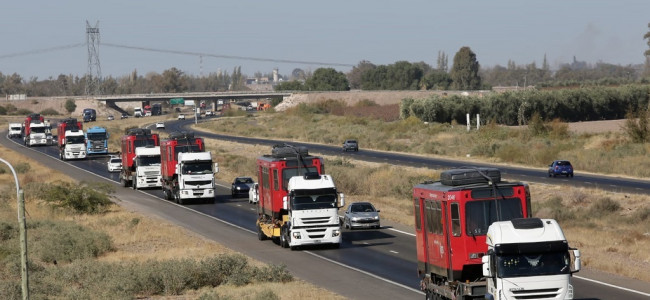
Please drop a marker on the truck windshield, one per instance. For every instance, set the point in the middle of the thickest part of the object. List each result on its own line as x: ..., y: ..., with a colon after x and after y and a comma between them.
x: 186, y: 149
x: 148, y: 161
x: 480, y: 214
x: 15, y: 128
x: 197, y: 168
x: 97, y: 136
x: 533, y: 264
x: 290, y: 172
x: 143, y: 143
x: 38, y: 129
x: 313, y: 199
x: 77, y: 139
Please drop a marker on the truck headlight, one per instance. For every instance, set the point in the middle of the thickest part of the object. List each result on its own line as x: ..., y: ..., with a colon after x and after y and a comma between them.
x: 336, y: 232
x: 296, y: 235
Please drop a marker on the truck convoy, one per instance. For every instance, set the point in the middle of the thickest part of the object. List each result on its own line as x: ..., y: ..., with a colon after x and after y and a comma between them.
x: 298, y: 204
x: 71, y: 139
x: 187, y: 169
x: 33, y: 130
x: 140, y: 151
x: 97, y: 140
x: 453, y: 218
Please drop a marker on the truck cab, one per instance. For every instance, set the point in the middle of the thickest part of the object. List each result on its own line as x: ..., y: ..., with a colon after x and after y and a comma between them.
x: 312, y: 205
x: 97, y: 140
x: 14, y: 130
x: 529, y: 258
x: 74, y: 145
x: 36, y: 134
x: 147, y: 168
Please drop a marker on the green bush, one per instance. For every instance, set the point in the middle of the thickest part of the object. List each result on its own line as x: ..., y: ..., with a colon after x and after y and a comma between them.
x: 23, y: 111
x: 66, y: 242
x: 22, y: 168
x: 3, y: 110
x: 80, y: 198
x: 49, y: 112
x: 604, y: 206
x: 70, y: 106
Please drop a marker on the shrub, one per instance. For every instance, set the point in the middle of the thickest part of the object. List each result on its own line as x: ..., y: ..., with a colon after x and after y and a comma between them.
x: 3, y: 110
x: 23, y: 111
x: 50, y: 112
x: 66, y: 242
x: 22, y: 168
x: 70, y: 106
x: 81, y: 198
x: 604, y: 206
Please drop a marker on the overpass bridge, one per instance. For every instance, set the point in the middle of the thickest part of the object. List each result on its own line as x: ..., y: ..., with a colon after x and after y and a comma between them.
x: 210, y: 98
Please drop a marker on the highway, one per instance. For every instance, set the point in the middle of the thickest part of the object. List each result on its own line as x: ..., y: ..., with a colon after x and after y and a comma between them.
x: 381, y: 262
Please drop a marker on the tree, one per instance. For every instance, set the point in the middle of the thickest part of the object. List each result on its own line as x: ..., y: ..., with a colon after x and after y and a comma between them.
x: 70, y: 106
x: 355, y: 75
x: 442, y: 61
x: 646, y: 36
x: 327, y: 79
x: 464, y: 72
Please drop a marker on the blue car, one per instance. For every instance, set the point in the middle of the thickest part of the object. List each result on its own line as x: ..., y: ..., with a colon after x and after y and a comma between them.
x: 560, y: 167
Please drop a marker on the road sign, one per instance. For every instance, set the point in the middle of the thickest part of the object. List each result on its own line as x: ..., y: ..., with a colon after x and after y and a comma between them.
x: 189, y: 102
x: 176, y: 101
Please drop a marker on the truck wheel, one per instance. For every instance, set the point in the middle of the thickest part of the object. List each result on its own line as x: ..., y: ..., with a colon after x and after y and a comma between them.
x: 134, y: 183
x: 260, y: 235
x: 125, y: 183
x: 284, y: 238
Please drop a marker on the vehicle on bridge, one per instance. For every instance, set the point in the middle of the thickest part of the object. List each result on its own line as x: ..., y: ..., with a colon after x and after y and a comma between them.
x: 298, y: 204
x: 97, y: 140
x: 140, y: 158
x: 187, y: 169
x: 71, y: 139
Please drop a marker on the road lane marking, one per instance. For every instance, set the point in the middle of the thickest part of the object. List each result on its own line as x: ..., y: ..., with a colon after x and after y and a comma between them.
x: 614, y: 286
x: 392, y: 251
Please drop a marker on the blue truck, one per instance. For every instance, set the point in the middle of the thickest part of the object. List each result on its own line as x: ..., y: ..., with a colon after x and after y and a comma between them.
x: 97, y: 140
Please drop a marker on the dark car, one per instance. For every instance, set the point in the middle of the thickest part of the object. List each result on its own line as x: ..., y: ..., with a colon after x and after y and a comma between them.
x: 124, y: 116
x: 241, y: 186
x: 351, y: 145
x: 560, y: 167
x: 361, y: 215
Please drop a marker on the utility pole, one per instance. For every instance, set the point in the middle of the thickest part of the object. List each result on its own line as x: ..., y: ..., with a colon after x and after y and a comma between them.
x: 94, y: 75
x: 20, y: 198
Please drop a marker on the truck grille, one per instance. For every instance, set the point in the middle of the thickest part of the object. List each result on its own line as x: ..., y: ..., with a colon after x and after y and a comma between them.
x: 198, y: 182
x: 316, y: 233
x: 536, y: 294
x: 151, y: 173
x: 315, y: 220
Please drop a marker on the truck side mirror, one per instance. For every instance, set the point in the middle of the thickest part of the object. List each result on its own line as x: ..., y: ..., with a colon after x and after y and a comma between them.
x: 576, y: 262
x: 285, y: 203
x: 216, y: 167
x: 486, y: 266
x: 341, y: 200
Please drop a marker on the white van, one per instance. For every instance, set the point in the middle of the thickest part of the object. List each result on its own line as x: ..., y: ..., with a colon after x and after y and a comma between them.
x: 14, y: 129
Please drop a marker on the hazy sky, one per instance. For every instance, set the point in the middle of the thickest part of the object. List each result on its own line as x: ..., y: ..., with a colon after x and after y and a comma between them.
x: 333, y: 31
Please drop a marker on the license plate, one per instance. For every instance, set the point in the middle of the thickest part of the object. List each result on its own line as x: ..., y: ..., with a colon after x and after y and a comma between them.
x: 316, y: 241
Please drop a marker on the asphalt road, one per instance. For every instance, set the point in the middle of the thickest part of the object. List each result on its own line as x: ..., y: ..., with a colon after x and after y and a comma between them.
x: 382, y: 261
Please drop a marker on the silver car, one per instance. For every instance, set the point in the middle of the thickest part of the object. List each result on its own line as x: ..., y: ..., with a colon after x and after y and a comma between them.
x: 114, y: 164
x: 361, y: 215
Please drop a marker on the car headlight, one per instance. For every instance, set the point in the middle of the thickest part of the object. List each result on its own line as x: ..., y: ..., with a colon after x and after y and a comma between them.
x: 354, y: 219
x: 238, y: 188
x: 376, y: 217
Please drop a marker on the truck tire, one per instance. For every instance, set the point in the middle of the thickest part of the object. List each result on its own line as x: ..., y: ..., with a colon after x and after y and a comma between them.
x: 167, y: 194
x: 134, y: 183
x: 284, y: 237
x: 260, y: 235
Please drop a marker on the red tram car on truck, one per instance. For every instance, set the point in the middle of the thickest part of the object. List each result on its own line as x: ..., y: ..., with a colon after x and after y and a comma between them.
x: 452, y: 217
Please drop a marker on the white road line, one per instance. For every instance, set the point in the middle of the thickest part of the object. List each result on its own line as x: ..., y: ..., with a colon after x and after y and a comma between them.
x: 403, y: 232
x: 364, y: 272
x: 614, y: 286
x: 392, y: 251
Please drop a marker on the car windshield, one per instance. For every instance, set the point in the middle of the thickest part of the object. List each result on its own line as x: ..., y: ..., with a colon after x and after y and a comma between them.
x: 244, y: 180
x: 116, y: 160
x: 365, y: 207
x: 197, y: 168
x: 533, y: 264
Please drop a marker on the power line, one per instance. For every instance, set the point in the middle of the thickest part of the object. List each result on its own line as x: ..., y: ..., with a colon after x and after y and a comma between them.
x: 46, y: 50
x: 227, y: 56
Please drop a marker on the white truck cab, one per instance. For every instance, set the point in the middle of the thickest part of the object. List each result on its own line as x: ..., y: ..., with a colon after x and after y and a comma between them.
x: 75, y: 145
x: 147, y: 168
x: 14, y: 129
x: 195, y: 175
x: 313, y: 205
x: 529, y: 258
x: 37, y: 134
